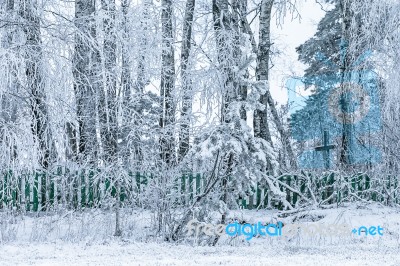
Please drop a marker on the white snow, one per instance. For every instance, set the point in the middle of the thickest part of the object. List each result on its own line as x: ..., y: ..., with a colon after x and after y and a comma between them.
x: 119, y: 253
x: 86, y: 239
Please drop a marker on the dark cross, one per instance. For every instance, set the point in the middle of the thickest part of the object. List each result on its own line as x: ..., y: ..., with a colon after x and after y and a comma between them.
x: 326, y: 148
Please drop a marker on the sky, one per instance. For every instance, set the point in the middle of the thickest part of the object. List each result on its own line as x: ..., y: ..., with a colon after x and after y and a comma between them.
x: 286, y: 38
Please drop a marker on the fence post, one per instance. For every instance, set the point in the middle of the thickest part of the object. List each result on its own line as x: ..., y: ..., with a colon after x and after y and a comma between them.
x: 331, y: 181
x: 198, y: 188
x: 183, y: 189
x: 52, y: 188
x: 14, y: 189
x: 288, y: 191
x: 2, y: 189
x: 191, y: 190
x: 83, y: 188
x: 338, y: 191
x: 295, y: 195
x: 266, y: 197
x: 91, y: 188
x: 35, y: 192
x: 6, y: 189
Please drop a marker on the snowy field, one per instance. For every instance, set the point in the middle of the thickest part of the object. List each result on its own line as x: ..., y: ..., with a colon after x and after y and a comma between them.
x: 87, y: 239
x: 120, y: 253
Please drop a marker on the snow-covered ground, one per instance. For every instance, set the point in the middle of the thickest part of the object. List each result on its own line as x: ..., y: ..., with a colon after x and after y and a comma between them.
x: 86, y: 239
x: 119, y: 253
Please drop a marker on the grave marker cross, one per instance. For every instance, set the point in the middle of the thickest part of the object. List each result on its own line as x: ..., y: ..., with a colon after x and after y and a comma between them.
x: 325, y: 148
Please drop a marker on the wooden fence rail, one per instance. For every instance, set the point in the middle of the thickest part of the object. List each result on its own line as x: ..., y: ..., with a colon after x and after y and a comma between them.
x: 89, y: 188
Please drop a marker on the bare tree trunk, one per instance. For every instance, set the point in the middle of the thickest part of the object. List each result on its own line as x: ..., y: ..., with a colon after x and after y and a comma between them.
x: 284, y: 134
x: 167, y: 105
x: 225, y: 180
x: 260, y: 119
x: 35, y: 82
x: 261, y: 128
x: 132, y: 103
x: 260, y: 122
x: 9, y: 104
x: 347, y: 134
x: 141, y: 79
x: 86, y: 72
x: 126, y: 79
x: 118, y: 230
x: 126, y: 82
x: 186, y: 82
x: 108, y: 107
x: 241, y: 7
x: 226, y: 40
x: 72, y: 150
x: 226, y: 27
x: 167, y: 117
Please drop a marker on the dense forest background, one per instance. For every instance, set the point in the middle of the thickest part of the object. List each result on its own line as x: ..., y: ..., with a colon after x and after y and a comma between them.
x: 173, y: 87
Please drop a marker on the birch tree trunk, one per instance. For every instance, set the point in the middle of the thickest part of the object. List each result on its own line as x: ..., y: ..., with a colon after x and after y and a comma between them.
x: 167, y: 104
x: 132, y: 103
x: 35, y: 81
x: 241, y: 7
x: 261, y: 127
x: 126, y: 82
x: 186, y: 82
x: 226, y: 41
x: 126, y: 79
x: 9, y: 103
x: 260, y: 121
x: 108, y: 107
x: 347, y: 135
x: 226, y: 27
x: 87, y: 78
x: 141, y: 79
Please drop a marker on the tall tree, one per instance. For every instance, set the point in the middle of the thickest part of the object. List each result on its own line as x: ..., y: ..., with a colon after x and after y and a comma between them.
x: 36, y: 81
x: 347, y: 135
x: 260, y: 121
x: 225, y: 51
x: 261, y: 127
x: 126, y: 78
x: 260, y: 118
x: 227, y: 42
x: 241, y: 17
x: 9, y: 103
x: 134, y: 90
x: 108, y: 107
x: 186, y: 83
x: 167, y: 117
x: 87, y: 78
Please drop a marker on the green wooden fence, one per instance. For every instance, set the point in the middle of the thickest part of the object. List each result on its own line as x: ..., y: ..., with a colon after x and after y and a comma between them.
x: 90, y: 188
